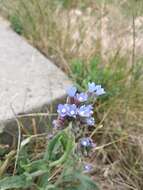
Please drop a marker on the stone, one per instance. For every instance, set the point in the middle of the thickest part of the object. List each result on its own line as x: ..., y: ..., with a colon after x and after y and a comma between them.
x: 28, y: 80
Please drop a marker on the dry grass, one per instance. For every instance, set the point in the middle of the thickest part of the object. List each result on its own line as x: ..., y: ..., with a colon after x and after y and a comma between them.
x: 120, y: 154
x: 60, y: 33
x: 76, y: 29
x: 118, y: 158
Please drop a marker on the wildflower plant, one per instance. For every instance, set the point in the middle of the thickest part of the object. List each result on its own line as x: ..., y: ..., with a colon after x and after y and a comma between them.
x: 65, y: 149
x: 78, y: 114
x: 79, y: 106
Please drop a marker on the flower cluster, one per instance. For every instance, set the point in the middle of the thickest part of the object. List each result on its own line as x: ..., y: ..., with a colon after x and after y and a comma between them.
x: 77, y: 105
x: 79, y: 108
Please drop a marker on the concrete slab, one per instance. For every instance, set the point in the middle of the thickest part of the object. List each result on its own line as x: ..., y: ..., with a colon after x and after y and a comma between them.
x: 28, y: 80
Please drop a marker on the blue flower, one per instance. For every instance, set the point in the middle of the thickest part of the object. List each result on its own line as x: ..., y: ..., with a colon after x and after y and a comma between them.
x: 62, y: 110
x: 72, y: 110
x: 91, y: 87
x: 72, y: 91
x: 82, y: 97
x: 85, y: 111
x: 99, y: 90
x: 67, y: 110
x: 86, y: 142
x: 88, y: 167
x: 90, y: 121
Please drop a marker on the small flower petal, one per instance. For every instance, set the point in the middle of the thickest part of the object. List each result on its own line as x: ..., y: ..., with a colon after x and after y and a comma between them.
x: 62, y: 110
x: 90, y: 121
x: 100, y: 91
x: 88, y: 167
x: 72, y: 91
x: 86, y: 142
x: 72, y: 110
x: 82, y: 97
x: 85, y: 111
x: 91, y: 87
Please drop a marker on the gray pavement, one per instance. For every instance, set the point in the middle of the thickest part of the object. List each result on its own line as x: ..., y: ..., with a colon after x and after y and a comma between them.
x: 28, y: 80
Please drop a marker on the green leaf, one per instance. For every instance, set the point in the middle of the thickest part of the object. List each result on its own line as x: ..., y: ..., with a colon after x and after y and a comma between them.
x: 51, y: 145
x: 86, y: 183
x: 15, y: 182
x: 78, y: 181
x: 75, y: 180
x: 36, y: 165
x: 67, y: 142
x: 16, y: 24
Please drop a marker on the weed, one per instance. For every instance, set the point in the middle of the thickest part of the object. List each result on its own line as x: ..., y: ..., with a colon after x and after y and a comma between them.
x: 63, y: 152
x: 16, y: 24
